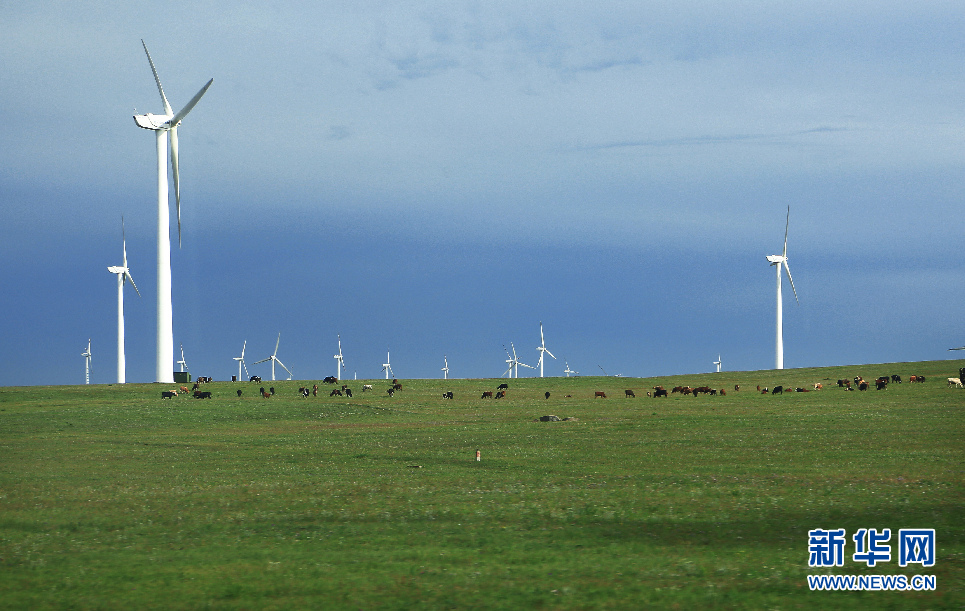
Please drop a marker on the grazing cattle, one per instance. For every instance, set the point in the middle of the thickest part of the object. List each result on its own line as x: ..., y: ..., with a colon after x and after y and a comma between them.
x: 390, y: 391
x: 955, y: 382
x: 239, y: 392
x: 722, y: 392
x: 366, y: 387
x: 629, y: 393
x: 677, y: 389
x: 501, y: 394
x: 896, y: 378
x: 487, y: 395
x: 881, y: 383
x: 306, y: 392
x: 447, y: 395
x: 263, y: 393
x: 599, y: 393
x: 348, y: 392
x: 395, y: 381
x: 862, y: 385
x: 818, y: 386
x: 764, y: 391
x: 335, y: 393
x: 168, y: 394
x: 737, y: 386
x: 397, y: 386
x: 198, y: 394
x: 314, y: 390
x: 184, y: 389
x: 255, y: 379
x: 547, y: 394
x: 843, y: 383
x: 271, y: 389
x: 659, y: 392
x: 778, y: 389
x: 702, y: 390
x: 503, y: 386
x: 801, y: 390
x: 329, y: 380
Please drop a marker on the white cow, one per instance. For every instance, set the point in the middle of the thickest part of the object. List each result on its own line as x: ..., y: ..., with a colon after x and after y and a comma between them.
x: 955, y: 382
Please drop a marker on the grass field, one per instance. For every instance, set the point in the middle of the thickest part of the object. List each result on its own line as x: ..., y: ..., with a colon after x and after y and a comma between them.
x: 112, y: 498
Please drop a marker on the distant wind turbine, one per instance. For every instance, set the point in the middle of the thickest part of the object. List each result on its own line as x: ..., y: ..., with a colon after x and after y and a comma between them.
x: 514, y: 362
x: 87, y: 366
x: 962, y: 348
x: 542, y: 349
x: 182, y: 362
x: 241, y: 361
x: 339, y: 361
x: 274, y: 359
x: 779, y: 261
x: 568, y: 371
x: 445, y: 369
x: 717, y: 362
x: 165, y: 125
x: 387, y: 366
x: 123, y: 275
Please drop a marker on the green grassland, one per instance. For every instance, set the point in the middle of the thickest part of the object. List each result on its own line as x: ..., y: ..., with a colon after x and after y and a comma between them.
x: 113, y: 498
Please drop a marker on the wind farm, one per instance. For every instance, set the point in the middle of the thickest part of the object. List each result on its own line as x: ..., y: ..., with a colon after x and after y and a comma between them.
x: 441, y: 180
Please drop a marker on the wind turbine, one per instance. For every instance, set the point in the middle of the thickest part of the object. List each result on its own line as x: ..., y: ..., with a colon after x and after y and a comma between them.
x: 779, y: 261
x: 123, y: 275
x: 87, y: 367
x: 340, y: 362
x: 274, y: 359
x: 241, y: 361
x: 445, y: 370
x: 568, y: 371
x: 165, y: 124
x: 542, y: 349
x: 182, y: 362
x: 717, y: 362
x: 387, y: 367
x: 514, y: 363
x: 962, y: 348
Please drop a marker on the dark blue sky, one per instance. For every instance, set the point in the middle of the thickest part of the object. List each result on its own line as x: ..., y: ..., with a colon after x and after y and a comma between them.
x: 438, y: 179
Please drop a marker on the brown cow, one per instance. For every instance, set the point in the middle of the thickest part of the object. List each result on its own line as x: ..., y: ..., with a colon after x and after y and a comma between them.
x: 599, y: 393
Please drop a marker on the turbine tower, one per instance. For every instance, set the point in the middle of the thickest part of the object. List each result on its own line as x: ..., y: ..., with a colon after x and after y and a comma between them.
x: 274, y: 359
x: 123, y: 275
x: 387, y: 367
x: 514, y: 363
x: 542, y: 349
x: 87, y: 368
x: 339, y: 361
x: 717, y: 362
x: 241, y: 361
x: 165, y: 125
x: 779, y: 261
x: 445, y: 370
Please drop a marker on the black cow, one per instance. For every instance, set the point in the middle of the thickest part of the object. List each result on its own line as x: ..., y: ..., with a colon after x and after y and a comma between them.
x: 503, y: 386
x: 659, y: 392
x: 239, y: 392
x: 778, y: 389
x: 202, y: 394
x: 255, y: 379
x: 629, y: 393
x: 447, y: 395
x: 547, y: 394
x: 330, y: 380
x: 168, y: 394
x: 335, y: 392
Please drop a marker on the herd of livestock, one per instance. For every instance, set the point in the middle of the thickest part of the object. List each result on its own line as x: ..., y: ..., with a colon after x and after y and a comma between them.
x: 880, y: 383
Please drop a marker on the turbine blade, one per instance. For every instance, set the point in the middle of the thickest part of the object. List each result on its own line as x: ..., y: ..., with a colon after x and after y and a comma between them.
x: 290, y: 374
x: 262, y: 361
x: 278, y: 341
x: 788, y: 270
x: 548, y: 352
x: 127, y: 276
x: 786, y: 225
x: 187, y: 107
x: 173, y: 139
x: 245, y: 367
x: 164, y: 99
x: 243, y: 346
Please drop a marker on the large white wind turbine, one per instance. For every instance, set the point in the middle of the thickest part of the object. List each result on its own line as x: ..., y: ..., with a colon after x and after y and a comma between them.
x: 87, y: 368
x: 781, y: 261
x: 445, y: 369
x: 387, y: 366
x: 241, y: 360
x: 339, y: 361
x: 274, y: 359
x: 717, y: 362
x: 165, y: 125
x: 123, y: 275
x: 542, y: 349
